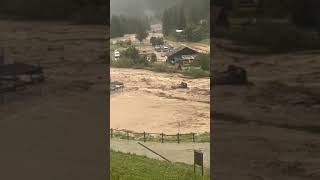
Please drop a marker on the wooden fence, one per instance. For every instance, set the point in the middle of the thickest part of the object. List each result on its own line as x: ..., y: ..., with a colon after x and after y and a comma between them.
x: 157, y: 137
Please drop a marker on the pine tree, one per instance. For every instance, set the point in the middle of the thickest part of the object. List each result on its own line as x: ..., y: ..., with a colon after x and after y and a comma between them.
x: 165, y: 22
x: 182, y: 18
x: 141, y: 33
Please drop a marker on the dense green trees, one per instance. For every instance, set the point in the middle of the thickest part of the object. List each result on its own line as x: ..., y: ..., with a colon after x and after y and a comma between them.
x: 187, y: 15
x: 141, y: 34
x: 156, y: 41
x: 120, y: 25
x: 131, y: 52
x: 204, y: 61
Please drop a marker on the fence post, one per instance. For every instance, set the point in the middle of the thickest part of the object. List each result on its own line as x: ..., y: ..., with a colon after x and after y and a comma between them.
x: 162, y: 137
x: 144, y: 136
x: 193, y: 137
x: 178, y: 138
x: 111, y: 133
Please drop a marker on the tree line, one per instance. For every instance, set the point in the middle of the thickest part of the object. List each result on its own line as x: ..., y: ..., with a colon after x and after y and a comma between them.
x: 187, y: 15
x: 82, y: 11
x: 120, y: 25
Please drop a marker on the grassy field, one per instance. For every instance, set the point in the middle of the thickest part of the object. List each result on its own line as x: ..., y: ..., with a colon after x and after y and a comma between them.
x: 133, y: 167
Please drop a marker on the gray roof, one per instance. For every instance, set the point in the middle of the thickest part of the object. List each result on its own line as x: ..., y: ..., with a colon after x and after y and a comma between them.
x: 174, y: 51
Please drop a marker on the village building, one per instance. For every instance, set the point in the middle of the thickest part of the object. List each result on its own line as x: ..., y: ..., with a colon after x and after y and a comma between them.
x: 182, y: 55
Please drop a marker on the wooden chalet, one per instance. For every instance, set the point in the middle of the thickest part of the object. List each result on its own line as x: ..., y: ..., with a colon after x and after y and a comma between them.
x: 182, y: 55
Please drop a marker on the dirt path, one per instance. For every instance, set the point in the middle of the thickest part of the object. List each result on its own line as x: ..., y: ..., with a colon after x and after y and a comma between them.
x: 174, y: 152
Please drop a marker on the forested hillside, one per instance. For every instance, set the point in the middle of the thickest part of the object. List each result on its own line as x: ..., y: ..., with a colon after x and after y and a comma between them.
x: 121, y: 25
x: 191, y: 16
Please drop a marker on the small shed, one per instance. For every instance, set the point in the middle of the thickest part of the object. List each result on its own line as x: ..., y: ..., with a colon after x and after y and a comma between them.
x: 181, y: 55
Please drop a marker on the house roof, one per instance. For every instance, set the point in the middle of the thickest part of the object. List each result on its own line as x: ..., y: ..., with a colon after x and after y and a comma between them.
x: 173, y: 52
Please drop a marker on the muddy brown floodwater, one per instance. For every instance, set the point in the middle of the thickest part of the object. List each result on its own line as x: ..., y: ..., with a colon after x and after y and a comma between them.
x: 149, y: 103
x: 269, y: 130
x: 66, y: 125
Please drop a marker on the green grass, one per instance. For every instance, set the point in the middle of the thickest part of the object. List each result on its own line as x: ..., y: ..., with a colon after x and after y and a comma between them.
x: 134, y: 167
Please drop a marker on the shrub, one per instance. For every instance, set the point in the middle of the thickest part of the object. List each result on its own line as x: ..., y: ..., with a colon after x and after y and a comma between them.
x: 141, y: 62
x: 156, y: 41
x: 122, y: 63
x: 125, y: 62
x: 203, y: 60
x: 163, y: 68
x: 153, y: 58
x: 196, y: 72
x: 131, y: 53
x: 153, y: 41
